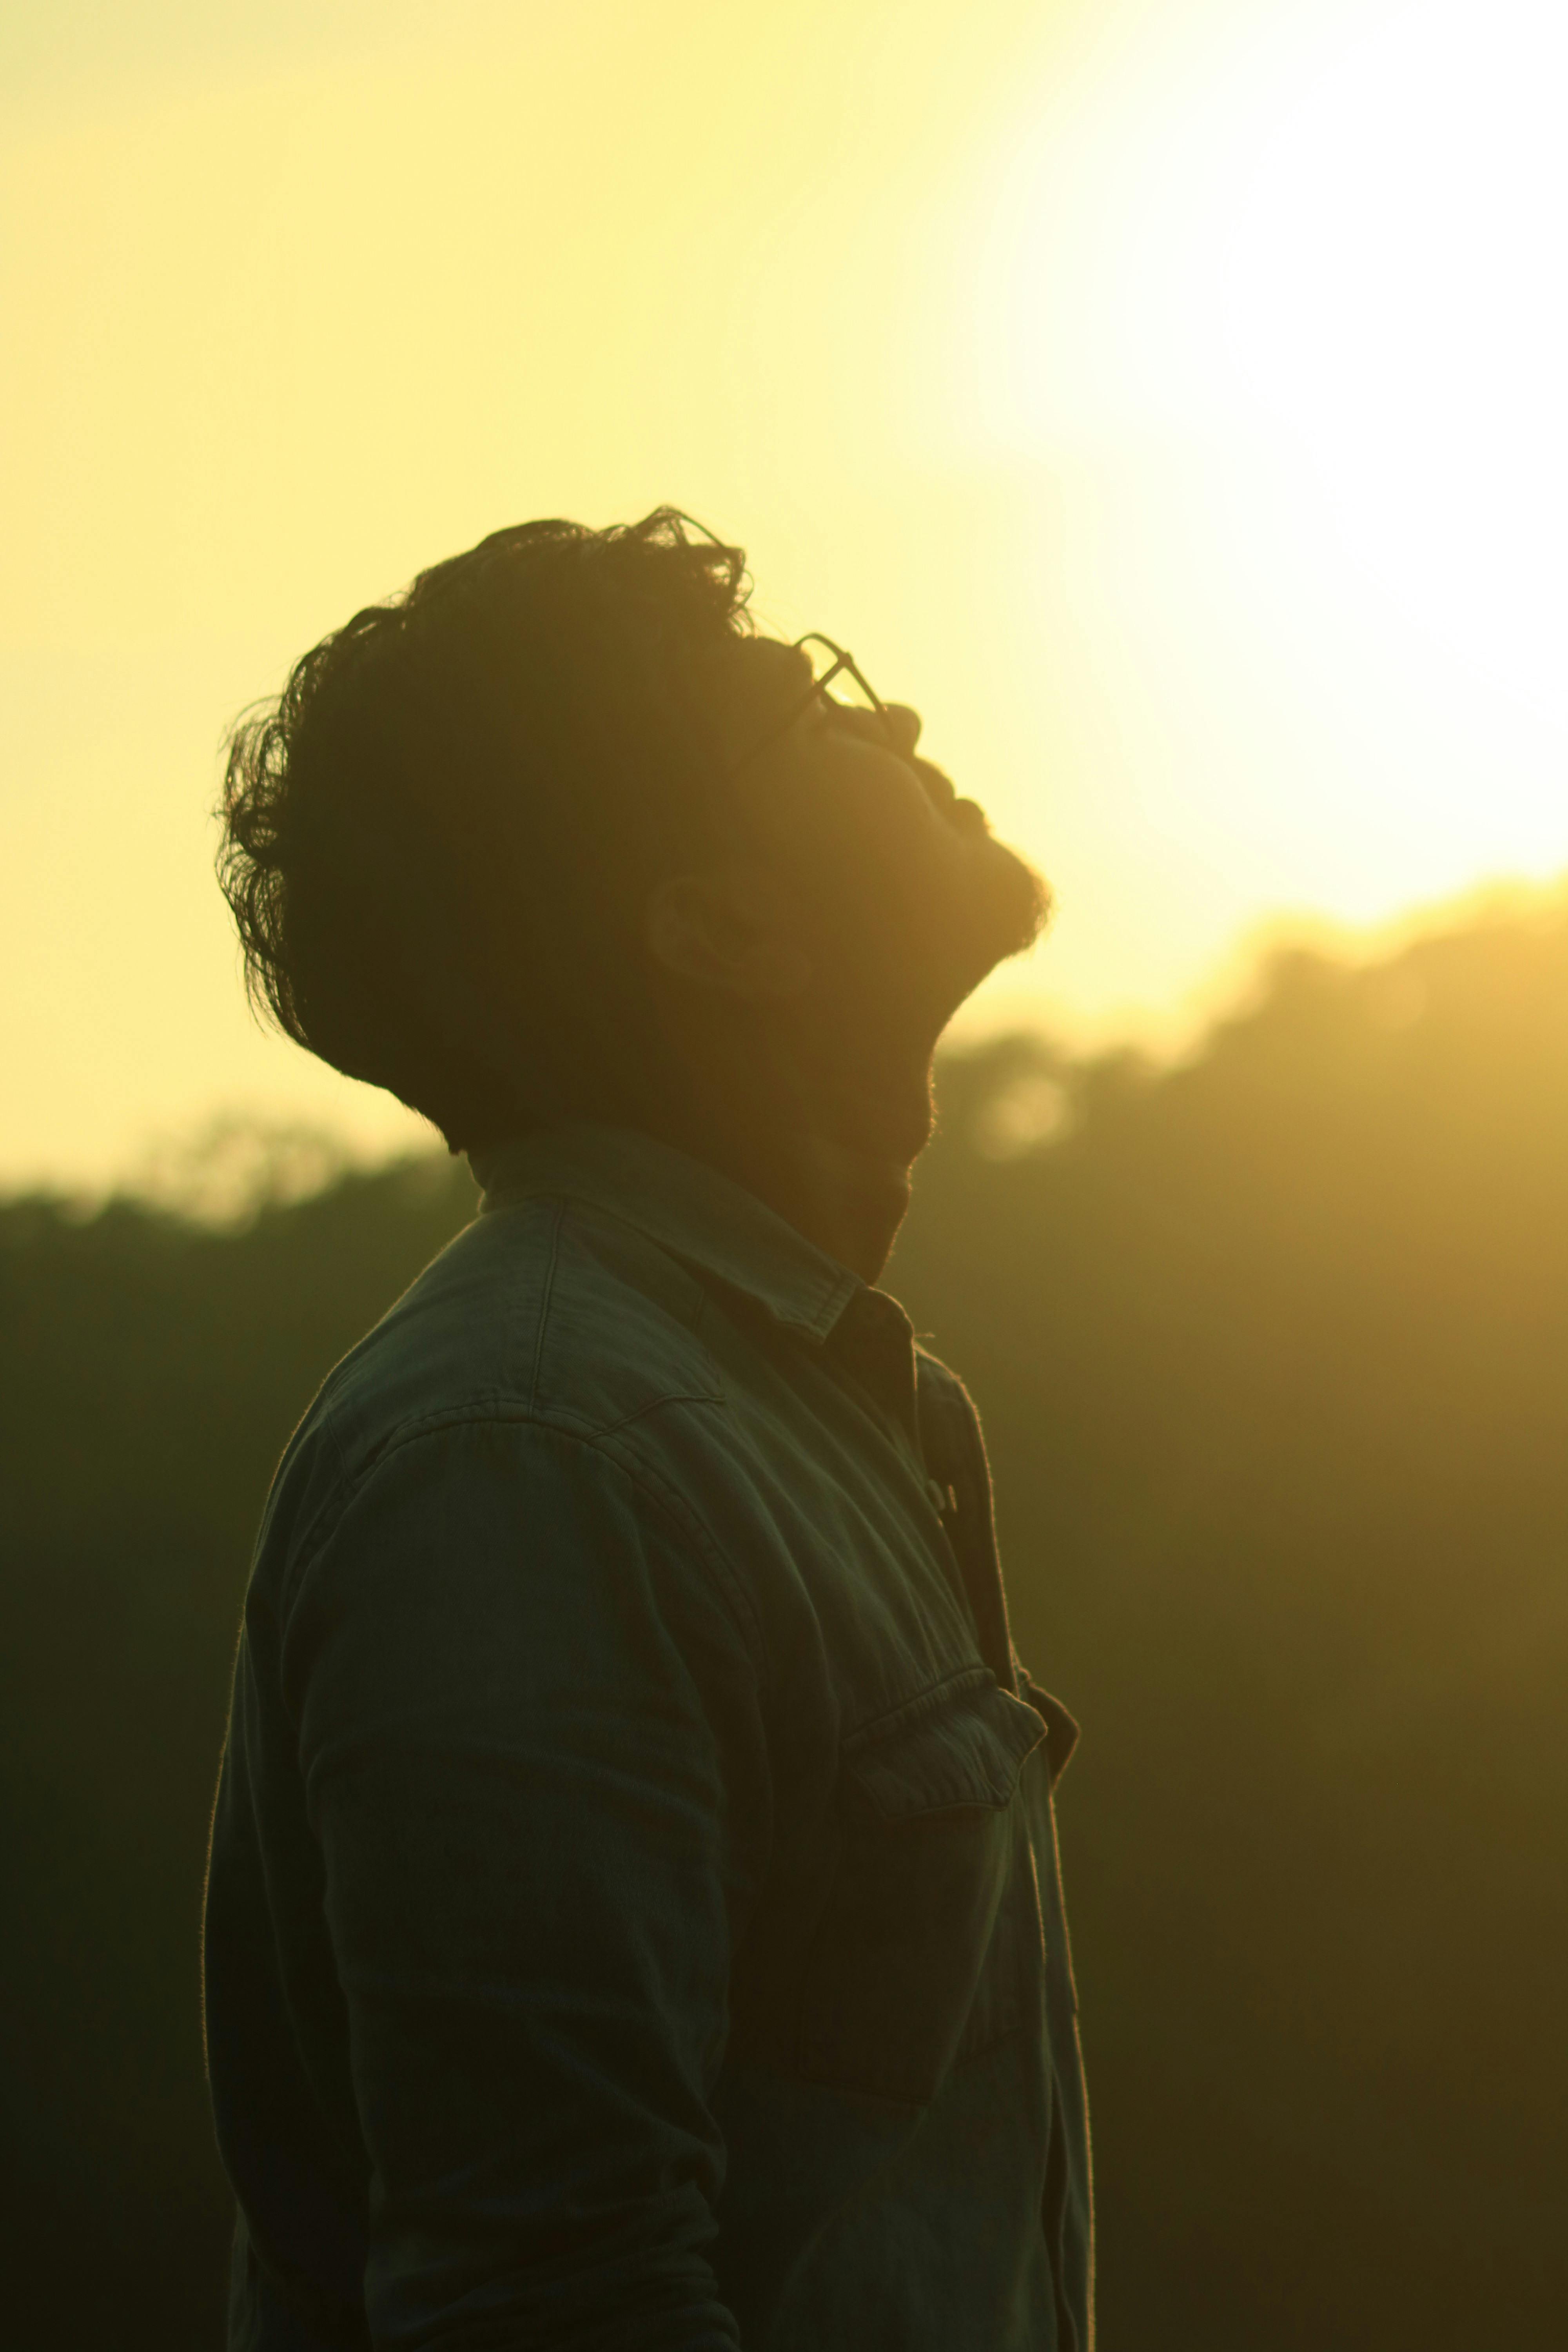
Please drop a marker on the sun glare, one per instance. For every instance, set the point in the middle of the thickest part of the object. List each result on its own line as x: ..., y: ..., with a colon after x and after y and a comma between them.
x: 1318, y: 286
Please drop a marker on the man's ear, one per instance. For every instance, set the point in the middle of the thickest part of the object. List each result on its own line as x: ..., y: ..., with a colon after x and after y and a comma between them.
x: 729, y: 930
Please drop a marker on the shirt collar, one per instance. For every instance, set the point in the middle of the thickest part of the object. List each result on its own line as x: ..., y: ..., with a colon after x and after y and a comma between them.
x: 688, y: 1208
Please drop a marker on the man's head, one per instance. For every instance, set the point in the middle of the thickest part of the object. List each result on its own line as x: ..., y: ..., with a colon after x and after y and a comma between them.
x: 555, y: 830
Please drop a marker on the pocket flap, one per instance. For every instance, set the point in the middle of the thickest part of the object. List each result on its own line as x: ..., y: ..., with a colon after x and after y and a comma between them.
x: 965, y: 1755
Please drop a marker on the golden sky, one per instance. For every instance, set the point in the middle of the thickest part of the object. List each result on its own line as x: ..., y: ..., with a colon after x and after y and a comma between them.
x: 1165, y: 395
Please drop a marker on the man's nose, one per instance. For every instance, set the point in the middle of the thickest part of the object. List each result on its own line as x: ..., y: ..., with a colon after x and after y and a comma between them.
x: 903, y: 725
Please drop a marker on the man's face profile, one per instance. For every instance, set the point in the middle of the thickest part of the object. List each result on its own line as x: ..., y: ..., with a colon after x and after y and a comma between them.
x: 893, y: 883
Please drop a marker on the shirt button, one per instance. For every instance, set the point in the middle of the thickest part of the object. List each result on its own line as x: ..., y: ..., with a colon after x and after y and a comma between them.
x: 940, y: 1497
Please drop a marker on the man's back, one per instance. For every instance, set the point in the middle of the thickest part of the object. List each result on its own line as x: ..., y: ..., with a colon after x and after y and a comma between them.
x: 625, y: 1909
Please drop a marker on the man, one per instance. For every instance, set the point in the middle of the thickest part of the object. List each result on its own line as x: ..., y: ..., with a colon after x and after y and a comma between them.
x: 633, y: 1917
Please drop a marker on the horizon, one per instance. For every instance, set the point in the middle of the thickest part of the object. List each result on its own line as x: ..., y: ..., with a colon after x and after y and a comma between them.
x: 232, y: 1160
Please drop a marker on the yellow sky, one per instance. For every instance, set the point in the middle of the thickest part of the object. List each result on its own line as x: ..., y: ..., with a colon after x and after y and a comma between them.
x: 1165, y: 396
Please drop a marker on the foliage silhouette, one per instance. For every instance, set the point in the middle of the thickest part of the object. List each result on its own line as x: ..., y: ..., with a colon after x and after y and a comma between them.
x: 1272, y: 1348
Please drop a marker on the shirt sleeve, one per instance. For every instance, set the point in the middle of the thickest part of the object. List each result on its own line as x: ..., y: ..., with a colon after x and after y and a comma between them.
x: 528, y: 1726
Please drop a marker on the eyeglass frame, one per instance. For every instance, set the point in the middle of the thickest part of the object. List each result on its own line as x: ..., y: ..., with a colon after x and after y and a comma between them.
x: 842, y: 663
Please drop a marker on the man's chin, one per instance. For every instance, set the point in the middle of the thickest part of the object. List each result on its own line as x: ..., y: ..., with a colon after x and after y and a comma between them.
x: 998, y: 910
x: 1012, y: 903
x: 935, y: 947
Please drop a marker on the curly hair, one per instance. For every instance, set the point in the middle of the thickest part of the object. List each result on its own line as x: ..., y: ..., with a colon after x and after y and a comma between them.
x: 433, y: 839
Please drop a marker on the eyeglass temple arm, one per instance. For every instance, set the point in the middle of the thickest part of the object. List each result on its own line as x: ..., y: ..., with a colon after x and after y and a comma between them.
x: 841, y: 661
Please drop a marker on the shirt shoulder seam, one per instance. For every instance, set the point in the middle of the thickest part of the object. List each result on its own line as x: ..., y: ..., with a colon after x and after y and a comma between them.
x: 663, y: 1498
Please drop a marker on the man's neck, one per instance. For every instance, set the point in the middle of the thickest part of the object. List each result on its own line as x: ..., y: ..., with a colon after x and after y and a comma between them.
x: 835, y: 1161
x: 850, y: 1202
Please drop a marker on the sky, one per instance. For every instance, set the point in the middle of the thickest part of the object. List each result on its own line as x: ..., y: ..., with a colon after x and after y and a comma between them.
x: 1164, y: 395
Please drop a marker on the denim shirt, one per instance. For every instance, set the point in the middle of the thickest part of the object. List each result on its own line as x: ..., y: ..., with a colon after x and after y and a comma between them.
x: 634, y: 1917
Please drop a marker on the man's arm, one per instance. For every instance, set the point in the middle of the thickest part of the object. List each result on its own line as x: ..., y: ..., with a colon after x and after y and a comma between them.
x: 528, y: 1728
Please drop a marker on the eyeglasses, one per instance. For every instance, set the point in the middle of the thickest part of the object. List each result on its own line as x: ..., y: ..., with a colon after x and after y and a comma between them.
x: 829, y: 662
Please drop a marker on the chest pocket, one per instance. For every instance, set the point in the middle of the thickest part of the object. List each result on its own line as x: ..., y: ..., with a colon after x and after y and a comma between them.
x: 913, y: 1964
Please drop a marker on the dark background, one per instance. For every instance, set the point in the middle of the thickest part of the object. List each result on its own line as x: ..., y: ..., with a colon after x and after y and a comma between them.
x: 1272, y: 1348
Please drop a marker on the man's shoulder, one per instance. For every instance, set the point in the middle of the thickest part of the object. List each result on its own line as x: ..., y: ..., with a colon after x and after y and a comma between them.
x: 549, y: 1309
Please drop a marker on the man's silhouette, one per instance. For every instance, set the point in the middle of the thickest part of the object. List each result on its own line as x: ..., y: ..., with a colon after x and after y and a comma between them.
x: 634, y: 1917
